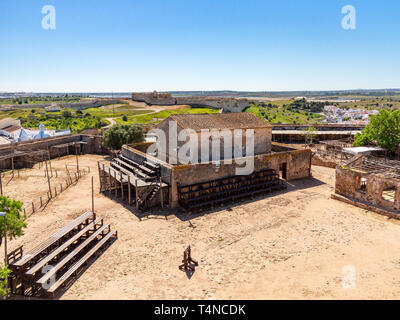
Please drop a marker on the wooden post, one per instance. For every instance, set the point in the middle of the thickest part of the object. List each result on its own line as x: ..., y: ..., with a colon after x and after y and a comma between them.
x: 12, y: 164
x: 122, y: 186
x: 41, y: 202
x: 115, y: 183
x: 51, y: 168
x: 129, y: 190
x: 48, y: 180
x: 104, y: 178
x: 161, y: 194
x: 77, y: 161
x: 33, y: 207
x: 100, y: 176
x: 92, y: 196
x: 109, y: 178
x: 137, y: 202
x: 1, y: 184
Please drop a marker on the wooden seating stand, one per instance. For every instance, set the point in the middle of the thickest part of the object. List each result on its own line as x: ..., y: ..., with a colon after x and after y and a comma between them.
x: 65, y: 254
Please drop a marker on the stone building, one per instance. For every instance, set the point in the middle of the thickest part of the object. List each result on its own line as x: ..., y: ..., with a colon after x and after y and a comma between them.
x: 142, y: 178
x: 211, y: 132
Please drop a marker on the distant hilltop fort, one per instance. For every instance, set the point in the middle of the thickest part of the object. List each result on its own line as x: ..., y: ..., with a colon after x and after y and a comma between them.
x: 157, y: 98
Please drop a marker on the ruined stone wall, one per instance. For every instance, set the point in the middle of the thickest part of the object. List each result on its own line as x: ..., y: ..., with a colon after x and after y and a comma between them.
x: 93, y: 144
x: 348, y: 185
x: 317, y: 161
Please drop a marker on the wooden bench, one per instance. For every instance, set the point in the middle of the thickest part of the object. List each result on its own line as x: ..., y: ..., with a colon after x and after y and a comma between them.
x: 70, y: 256
x: 133, y: 169
x: 220, y: 200
x: 123, y: 170
x: 151, y: 165
x: 91, y: 227
x: 75, y: 267
x: 35, y: 254
x: 137, y: 165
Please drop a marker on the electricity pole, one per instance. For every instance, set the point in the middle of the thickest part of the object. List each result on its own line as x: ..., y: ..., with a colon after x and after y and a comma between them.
x: 112, y: 94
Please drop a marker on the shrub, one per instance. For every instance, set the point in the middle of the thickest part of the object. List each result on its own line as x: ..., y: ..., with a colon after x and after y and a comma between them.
x: 383, y: 130
x: 118, y: 135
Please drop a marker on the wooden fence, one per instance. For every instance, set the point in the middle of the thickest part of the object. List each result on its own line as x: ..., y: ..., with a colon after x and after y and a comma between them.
x: 72, y: 179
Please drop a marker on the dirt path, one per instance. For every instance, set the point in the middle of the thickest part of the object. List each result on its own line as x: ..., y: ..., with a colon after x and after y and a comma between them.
x: 112, y: 122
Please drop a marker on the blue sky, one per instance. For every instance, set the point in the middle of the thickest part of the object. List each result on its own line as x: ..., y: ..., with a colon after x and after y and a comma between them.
x: 132, y: 45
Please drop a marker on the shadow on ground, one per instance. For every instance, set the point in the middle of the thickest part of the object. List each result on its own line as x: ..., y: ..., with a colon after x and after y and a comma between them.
x: 180, y: 213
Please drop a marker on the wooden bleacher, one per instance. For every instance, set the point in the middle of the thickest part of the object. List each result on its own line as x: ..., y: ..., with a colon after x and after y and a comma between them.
x: 203, y: 196
x: 78, y: 265
x: 77, y: 242
x: 139, y: 183
x: 33, y: 256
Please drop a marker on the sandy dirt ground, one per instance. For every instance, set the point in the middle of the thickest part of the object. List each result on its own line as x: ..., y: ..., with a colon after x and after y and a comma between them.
x: 296, y: 244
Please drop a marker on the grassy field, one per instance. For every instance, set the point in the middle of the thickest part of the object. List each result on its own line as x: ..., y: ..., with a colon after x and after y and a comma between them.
x: 157, y: 117
x: 279, y: 113
x: 372, y: 103
x: 38, y: 100
x: 94, y: 117
x: 117, y: 111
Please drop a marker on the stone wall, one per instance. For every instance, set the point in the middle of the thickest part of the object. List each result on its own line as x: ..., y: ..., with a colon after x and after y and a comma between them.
x: 348, y: 184
x: 318, y: 161
x: 227, y: 104
x: 298, y: 166
x: 93, y: 144
x: 92, y: 103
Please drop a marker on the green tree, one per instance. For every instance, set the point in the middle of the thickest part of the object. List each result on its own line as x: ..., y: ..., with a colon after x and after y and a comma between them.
x: 124, y: 118
x: 118, y: 135
x: 4, y: 274
x: 383, y: 130
x: 15, y: 222
x: 66, y: 114
x: 309, y: 134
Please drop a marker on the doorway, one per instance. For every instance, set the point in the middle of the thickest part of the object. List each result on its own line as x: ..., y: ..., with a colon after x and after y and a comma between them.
x: 283, y: 170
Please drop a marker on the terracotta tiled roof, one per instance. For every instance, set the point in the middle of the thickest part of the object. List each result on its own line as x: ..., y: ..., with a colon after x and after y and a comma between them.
x: 197, y: 122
